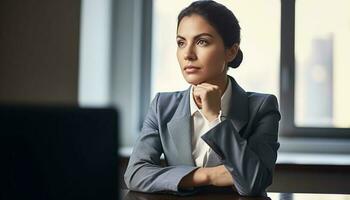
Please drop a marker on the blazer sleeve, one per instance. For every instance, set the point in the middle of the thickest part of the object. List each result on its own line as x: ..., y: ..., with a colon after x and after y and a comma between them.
x: 144, y: 172
x: 250, y: 161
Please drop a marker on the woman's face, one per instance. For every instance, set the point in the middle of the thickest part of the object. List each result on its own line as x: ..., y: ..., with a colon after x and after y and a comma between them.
x: 201, y: 52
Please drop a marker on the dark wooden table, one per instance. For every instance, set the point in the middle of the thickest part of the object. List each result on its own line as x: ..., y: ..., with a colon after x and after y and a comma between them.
x: 130, y: 195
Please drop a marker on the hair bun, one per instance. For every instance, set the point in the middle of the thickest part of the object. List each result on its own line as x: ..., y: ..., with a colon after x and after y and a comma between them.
x: 237, y: 61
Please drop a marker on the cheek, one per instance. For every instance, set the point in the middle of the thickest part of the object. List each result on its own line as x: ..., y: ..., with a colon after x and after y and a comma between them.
x: 214, y: 59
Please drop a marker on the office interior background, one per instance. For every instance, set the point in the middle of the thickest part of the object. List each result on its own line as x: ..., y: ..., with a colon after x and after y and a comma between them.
x: 98, y: 53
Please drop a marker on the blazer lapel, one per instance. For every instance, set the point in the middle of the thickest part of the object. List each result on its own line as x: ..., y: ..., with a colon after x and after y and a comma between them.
x: 238, y: 111
x: 179, y: 128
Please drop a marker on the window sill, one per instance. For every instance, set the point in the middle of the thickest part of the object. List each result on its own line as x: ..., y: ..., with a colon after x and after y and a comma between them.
x: 312, y: 159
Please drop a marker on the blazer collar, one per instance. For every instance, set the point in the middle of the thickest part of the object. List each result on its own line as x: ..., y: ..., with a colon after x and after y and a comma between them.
x: 239, y: 107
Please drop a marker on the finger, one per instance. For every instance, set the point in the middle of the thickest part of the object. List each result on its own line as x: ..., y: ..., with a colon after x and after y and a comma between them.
x: 209, y: 87
x: 199, y: 90
x: 204, y: 89
x: 197, y: 99
x: 200, y: 93
x: 208, y: 84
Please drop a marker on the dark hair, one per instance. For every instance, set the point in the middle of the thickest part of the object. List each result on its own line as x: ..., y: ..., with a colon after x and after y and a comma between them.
x: 222, y: 19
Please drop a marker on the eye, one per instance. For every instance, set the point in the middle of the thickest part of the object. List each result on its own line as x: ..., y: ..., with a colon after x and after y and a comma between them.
x: 202, y: 42
x: 180, y: 43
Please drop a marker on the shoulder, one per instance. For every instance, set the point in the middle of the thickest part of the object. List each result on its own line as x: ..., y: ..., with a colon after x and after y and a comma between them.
x: 162, y: 107
x: 167, y: 101
x: 171, y: 96
x: 166, y: 98
x: 262, y: 104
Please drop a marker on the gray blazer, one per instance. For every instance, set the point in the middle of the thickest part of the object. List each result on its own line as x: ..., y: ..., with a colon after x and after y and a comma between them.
x: 245, y: 142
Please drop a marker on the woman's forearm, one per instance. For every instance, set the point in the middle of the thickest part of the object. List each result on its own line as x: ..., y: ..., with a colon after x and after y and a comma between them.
x: 216, y: 176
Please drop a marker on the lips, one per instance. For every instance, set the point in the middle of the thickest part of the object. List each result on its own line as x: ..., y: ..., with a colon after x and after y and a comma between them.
x: 191, y: 69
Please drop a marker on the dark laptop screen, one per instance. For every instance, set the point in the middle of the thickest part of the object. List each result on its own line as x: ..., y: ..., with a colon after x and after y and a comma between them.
x: 58, y: 153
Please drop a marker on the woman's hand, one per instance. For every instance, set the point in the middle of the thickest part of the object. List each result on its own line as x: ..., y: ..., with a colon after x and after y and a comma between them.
x: 199, y: 177
x: 216, y: 176
x: 208, y: 98
x: 219, y: 176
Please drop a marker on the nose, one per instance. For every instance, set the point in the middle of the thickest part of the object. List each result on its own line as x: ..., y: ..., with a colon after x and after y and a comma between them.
x: 190, y: 53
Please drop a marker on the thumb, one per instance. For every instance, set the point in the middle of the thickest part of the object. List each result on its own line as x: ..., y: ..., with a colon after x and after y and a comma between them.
x: 198, y: 100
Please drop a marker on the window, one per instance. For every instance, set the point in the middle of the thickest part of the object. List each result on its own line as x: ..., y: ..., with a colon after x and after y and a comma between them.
x: 314, y: 68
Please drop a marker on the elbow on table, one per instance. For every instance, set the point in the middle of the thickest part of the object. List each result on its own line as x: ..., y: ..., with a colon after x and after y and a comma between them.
x: 130, y: 183
x: 134, y: 182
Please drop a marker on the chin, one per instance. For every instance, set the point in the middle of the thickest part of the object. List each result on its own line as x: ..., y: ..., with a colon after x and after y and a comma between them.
x: 193, y: 79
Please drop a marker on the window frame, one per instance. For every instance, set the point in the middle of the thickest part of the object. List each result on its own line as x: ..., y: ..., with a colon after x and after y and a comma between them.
x: 146, y: 60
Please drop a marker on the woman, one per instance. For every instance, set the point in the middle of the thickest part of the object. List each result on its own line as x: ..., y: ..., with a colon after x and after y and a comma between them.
x: 214, y: 133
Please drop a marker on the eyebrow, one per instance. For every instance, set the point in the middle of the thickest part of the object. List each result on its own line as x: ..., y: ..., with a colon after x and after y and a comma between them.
x: 197, y: 36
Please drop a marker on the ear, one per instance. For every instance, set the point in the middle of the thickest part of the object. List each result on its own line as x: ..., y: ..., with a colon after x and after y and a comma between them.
x: 231, y: 52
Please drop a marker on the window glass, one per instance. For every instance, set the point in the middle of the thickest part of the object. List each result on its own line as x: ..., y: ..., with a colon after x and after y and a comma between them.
x: 322, y: 94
